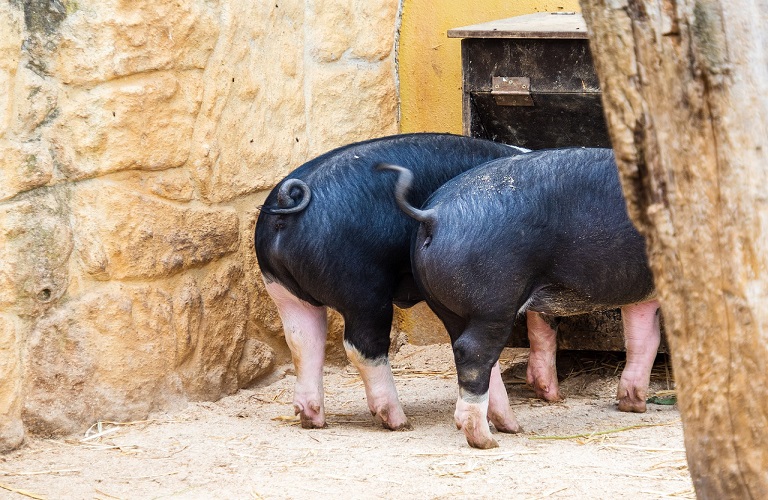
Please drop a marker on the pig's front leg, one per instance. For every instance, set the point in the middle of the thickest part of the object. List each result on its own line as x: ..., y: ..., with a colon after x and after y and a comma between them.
x: 542, y: 372
x: 641, y: 338
x: 306, y: 330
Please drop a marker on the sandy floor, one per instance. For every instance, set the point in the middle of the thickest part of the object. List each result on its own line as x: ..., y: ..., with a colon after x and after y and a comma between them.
x: 249, y: 446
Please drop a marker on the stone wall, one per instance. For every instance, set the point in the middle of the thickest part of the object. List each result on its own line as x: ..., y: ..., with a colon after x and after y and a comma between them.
x: 137, y: 139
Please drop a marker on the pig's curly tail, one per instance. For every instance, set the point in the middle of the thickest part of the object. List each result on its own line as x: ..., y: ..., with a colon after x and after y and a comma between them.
x: 287, y: 194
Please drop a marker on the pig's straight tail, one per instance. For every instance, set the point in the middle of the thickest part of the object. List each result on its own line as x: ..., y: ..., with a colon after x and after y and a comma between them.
x: 404, y: 182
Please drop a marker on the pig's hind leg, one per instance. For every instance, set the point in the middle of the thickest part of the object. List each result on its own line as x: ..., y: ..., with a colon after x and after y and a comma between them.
x: 476, y: 352
x: 366, y: 341
x: 499, y: 412
x: 306, y: 330
x: 542, y: 371
x: 641, y: 338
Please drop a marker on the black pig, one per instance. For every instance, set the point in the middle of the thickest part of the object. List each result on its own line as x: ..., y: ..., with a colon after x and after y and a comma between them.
x: 544, y: 234
x: 330, y: 234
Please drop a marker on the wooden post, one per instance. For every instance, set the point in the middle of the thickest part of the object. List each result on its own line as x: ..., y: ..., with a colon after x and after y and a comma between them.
x: 685, y: 89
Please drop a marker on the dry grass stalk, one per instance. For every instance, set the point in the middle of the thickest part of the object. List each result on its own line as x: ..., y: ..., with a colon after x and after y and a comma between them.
x: 688, y: 493
x: 678, y: 464
x: 133, y: 478
x: 21, y: 492
x: 99, y: 434
x: 40, y: 473
x: 288, y: 419
x: 106, y: 494
x: 550, y: 493
x: 447, y: 469
x: 410, y: 373
x: 667, y: 393
x: 473, y: 454
x: 642, y: 448
x: 609, y: 431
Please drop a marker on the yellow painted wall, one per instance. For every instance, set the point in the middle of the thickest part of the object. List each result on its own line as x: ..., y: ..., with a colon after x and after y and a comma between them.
x: 430, y: 62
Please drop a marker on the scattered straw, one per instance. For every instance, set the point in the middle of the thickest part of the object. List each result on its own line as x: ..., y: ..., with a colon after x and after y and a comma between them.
x: 40, y: 473
x: 133, y: 478
x: 99, y: 434
x: 105, y: 494
x: 456, y: 469
x: 21, y: 492
x: 678, y: 464
x: 410, y: 373
x: 642, y: 448
x: 288, y: 419
x: 550, y: 493
x: 601, y: 433
x: 687, y: 493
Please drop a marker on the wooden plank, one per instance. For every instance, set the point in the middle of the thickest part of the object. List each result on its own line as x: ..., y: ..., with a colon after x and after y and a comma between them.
x: 539, y: 25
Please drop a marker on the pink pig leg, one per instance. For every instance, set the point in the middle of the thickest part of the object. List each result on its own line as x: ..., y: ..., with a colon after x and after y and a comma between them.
x: 471, y: 417
x: 380, y: 390
x: 499, y: 412
x: 641, y: 337
x: 542, y: 373
x: 306, y: 330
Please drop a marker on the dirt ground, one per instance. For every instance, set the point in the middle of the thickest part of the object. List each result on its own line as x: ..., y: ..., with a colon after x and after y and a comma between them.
x: 249, y: 446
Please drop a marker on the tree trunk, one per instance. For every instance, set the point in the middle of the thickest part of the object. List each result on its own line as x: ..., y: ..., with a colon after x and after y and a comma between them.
x: 685, y: 89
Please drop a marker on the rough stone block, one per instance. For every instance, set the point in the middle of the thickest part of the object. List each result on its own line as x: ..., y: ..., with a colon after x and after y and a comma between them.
x: 375, y: 37
x: 144, y: 122
x: 35, y: 244
x: 11, y: 27
x: 11, y: 426
x: 23, y: 167
x: 257, y: 360
x: 339, y: 117
x: 216, y: 317
x: 102, y: 41
x: 128, y: 235
x: 106, y: 355
x: 251, y: 129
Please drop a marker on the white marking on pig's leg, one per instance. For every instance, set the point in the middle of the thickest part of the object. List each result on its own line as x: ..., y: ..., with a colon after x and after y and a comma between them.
x: 641, y: 338
x: 499, y: 412
x: 380, y: 389
x: 306, y: 329
x: 542, y: 372
x: 471, y: 417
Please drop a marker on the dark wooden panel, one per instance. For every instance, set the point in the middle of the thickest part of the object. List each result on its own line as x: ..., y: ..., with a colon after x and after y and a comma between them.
x: 555, y: 120
x: 552, y: 65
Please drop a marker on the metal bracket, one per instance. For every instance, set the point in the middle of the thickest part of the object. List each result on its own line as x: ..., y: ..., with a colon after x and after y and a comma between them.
x: 512, y: 91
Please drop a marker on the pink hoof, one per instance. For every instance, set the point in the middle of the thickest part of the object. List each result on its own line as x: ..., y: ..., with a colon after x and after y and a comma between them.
x: 631, y: 398
x: 544, y: 383
x: 312, y: 415
x: 392, y: 420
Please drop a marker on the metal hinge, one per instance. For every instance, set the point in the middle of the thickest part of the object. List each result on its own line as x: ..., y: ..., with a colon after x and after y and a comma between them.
x: 512, y: 90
